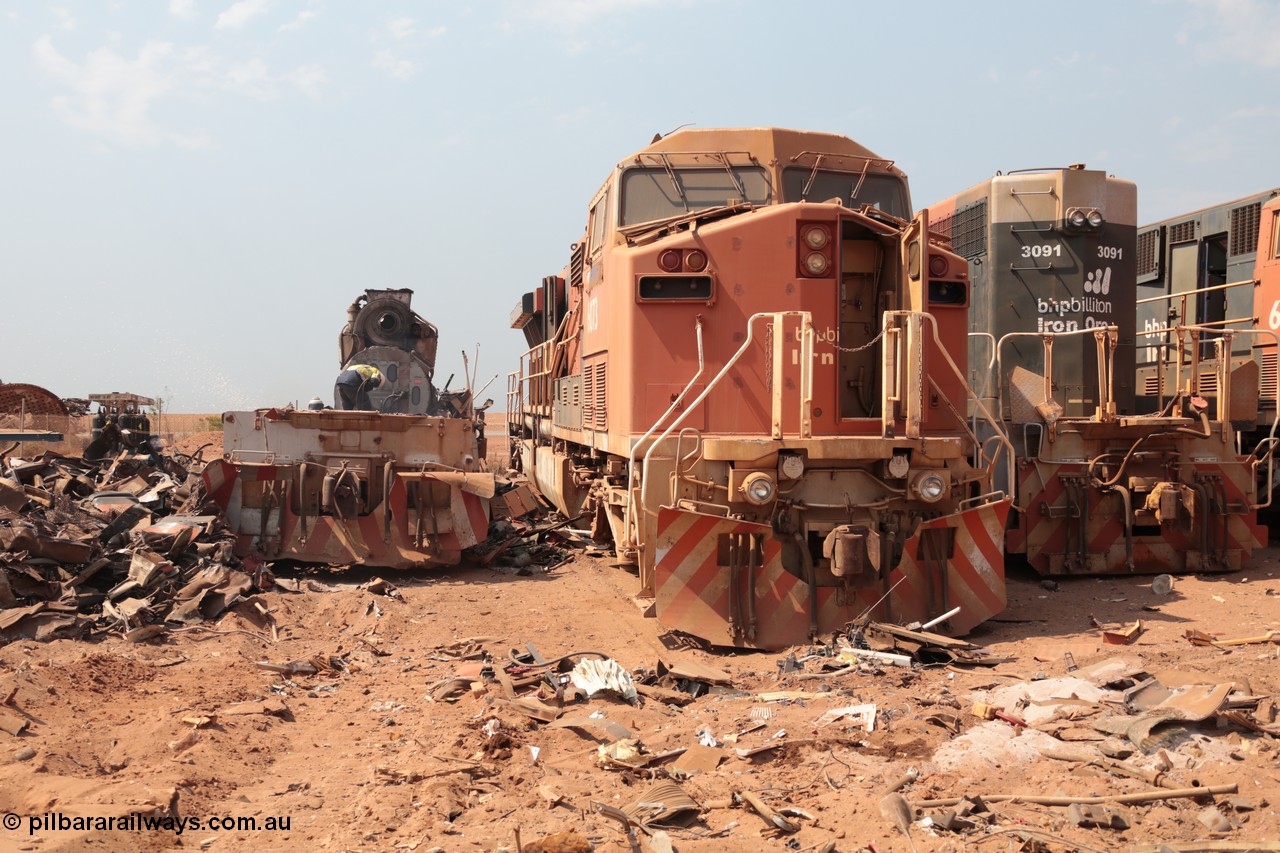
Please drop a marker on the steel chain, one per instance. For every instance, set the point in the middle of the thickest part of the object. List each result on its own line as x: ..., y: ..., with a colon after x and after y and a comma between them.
x: 867, y: 345
x: 768, y: 358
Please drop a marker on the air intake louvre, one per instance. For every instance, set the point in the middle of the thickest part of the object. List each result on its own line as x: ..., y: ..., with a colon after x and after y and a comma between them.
x: 1148, y: 243
x: 575, y: 265
x: 1183, y: 232
x: 594, y: 395
x: 1244, y: 228
x: 1270, y: 373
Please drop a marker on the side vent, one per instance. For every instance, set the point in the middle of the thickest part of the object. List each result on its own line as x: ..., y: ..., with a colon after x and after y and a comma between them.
x: 575, y: 264
x: 1244, y: 228
x: 594, y: 394
x: 1149, y: 255
x: 1183, y: 232
x: 1270, y: 373
x: 567, y: 413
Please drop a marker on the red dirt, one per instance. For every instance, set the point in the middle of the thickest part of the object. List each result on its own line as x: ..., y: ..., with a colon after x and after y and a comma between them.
x: 364, y: 760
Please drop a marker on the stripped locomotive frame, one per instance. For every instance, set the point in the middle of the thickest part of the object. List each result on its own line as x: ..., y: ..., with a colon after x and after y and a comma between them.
x: 406, y: 489
x: 1103, y: 487
x: 751, y: 375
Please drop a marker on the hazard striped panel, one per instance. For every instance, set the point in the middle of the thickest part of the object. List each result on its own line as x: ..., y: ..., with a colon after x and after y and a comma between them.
x: 385, y: 537
x: 1071, y: 527
x: 949, y: 561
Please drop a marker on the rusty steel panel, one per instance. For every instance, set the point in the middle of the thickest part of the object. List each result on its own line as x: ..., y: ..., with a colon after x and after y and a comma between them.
x: 16, y: 397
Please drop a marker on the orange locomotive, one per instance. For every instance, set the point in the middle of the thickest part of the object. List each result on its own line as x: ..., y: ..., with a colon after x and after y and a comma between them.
x: 751, y: 375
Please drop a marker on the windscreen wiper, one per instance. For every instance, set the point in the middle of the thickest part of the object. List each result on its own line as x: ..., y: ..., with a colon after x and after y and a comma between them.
x: 675, y: 184
x: 633, y: 231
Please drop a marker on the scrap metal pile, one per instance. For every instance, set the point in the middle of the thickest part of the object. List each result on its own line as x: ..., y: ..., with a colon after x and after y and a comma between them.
x: 120, y: 542
x: 1141, y: 730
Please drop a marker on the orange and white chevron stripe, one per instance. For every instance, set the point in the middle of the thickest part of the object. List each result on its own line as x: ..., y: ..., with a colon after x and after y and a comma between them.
x: 1091, y: 538
x: 385, y: 537
x: 695, y: 588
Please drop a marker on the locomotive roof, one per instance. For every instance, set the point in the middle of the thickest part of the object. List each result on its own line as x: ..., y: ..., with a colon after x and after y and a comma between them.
x: 766, y: 144
x: 1263, y: 196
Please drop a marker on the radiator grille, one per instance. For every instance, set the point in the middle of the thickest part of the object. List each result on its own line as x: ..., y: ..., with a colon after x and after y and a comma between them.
x: 1244, y: 228
x: 969, y: 230
x: 943, y: 225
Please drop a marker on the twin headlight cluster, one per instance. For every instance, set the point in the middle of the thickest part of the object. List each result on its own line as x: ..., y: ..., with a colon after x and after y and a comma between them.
x: 1085, y: 218
x: 760, y: 488
x: 817, y: 259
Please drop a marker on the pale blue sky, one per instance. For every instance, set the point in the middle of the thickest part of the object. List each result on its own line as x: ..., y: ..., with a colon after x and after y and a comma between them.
x: 194, y: 190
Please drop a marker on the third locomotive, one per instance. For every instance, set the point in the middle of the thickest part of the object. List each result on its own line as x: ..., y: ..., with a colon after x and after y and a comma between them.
x: 1102, y: 488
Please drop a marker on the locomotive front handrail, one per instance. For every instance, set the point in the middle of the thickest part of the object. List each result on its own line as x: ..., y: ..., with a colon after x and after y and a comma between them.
x: 973, y: 396
x: 1275, y: 423
x: 1046, y: 339
x: 777, y: 317
x: 991, y: 362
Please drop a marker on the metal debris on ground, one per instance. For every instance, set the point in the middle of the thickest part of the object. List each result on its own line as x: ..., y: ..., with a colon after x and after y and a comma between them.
x: 519, y: 545
x: 117, y: 542
x: 603, y: 676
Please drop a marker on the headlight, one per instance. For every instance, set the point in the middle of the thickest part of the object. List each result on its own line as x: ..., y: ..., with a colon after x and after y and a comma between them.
x: 815, y: 263
x: 669, y: 260
x: 1095, y: 218
x: 930, y: 487
x: 696, y: 261
x: 759, y: 488
x: 937, y: 266
x: 816, y: 237
x: 1076, y: 217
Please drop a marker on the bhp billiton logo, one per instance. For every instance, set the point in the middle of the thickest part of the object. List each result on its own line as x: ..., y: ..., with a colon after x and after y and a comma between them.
x: 1098, y: 282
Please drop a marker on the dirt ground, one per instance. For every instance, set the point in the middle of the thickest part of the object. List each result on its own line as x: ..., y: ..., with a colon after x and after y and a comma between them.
x: 359, y: 757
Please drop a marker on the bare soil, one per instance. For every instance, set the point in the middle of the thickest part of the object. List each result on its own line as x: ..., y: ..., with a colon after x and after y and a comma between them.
x: 360, y: 758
